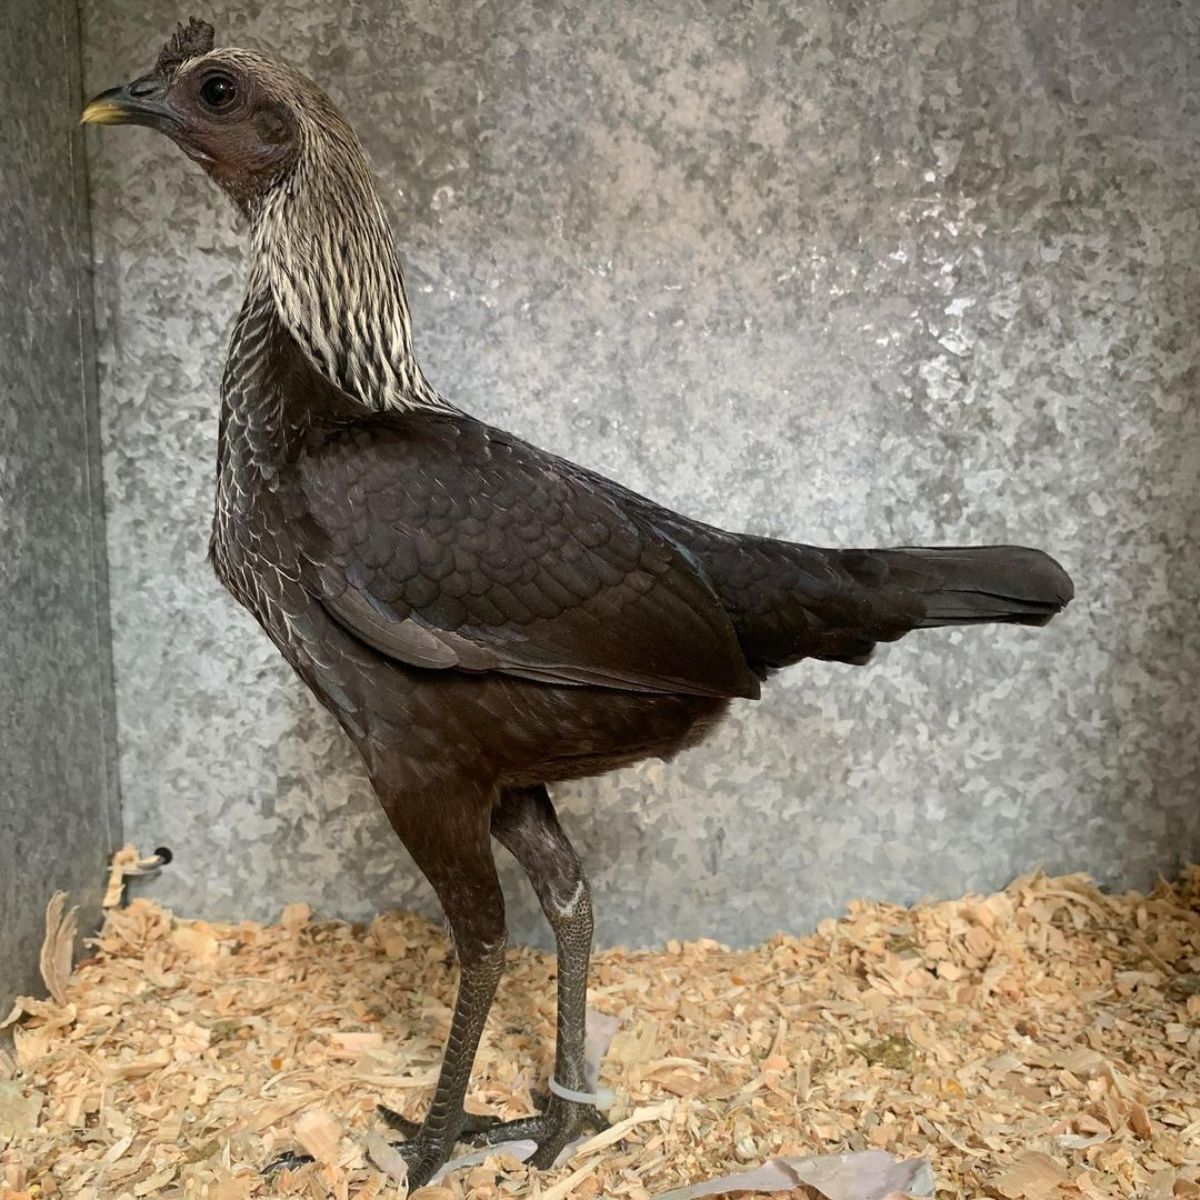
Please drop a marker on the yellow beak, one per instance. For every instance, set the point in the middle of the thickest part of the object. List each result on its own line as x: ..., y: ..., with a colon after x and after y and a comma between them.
x: 141, y: 102
x: 104, y: 112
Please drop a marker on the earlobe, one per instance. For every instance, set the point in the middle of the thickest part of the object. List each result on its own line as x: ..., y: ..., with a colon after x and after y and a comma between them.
x: 273, y: 124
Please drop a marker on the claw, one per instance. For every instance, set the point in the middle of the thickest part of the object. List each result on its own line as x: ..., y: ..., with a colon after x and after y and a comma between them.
x: 291, y: 1161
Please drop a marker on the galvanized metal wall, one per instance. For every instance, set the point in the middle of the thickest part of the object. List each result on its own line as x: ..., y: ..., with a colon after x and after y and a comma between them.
x: 58, y: 814
x: 892, y: 272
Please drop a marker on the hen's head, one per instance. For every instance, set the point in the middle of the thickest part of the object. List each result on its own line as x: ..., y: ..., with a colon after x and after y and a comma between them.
x: 247, y: 119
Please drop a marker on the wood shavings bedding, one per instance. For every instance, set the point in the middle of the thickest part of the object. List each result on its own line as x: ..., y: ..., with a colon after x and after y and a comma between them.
x: 1042, y: 1043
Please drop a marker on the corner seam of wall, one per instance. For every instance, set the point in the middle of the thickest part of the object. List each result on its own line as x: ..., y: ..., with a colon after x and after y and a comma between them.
x: 72, y: 42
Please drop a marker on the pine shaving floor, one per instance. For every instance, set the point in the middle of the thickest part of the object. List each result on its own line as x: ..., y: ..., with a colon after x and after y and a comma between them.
x: 1040, y: 1043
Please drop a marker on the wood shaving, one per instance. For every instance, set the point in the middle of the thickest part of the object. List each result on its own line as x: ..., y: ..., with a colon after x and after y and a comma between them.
x: 58, y: 947
x: 125, y: 864
x: 1042, y: 1043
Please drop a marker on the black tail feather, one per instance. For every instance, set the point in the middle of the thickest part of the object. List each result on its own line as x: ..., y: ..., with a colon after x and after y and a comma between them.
x: 981, y: 584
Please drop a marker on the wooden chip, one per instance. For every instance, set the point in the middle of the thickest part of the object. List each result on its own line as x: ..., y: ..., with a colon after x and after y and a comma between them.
x: 1032, y: 1177
x: 196, y: 941
x: 565, y: 1187
x: 294, y: 917
x: 124, y: 862
x: 612, y: 1135
x: 58, y: 947
x: 1042, y: 1043
x: 387, y: 1159
x: 319, y: 1134
x: 19, y: 1110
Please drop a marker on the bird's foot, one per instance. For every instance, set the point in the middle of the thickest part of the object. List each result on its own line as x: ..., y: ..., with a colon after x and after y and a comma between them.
x: 424, y: 1155
x: 553, y: 1129
x: 424, y: 1151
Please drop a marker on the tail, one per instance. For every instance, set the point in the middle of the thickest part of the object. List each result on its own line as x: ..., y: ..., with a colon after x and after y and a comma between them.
x: 789, y: 601
x: 979, y: 584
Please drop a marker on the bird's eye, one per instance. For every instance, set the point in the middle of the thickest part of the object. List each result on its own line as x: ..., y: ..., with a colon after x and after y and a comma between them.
x: 218, y: 91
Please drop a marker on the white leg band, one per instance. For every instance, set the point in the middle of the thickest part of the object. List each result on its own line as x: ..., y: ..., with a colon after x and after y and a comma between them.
x: 600, y: 1098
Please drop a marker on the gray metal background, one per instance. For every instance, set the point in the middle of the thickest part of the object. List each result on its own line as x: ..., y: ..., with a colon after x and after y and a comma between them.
x: 58, y: 815
x: 888, y: 272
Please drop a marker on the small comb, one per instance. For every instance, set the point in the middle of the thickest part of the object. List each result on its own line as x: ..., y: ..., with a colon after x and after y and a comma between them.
x: 188, y: 41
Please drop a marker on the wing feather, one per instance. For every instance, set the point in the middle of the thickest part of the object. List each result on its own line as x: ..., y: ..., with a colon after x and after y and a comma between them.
x: 448, y: 545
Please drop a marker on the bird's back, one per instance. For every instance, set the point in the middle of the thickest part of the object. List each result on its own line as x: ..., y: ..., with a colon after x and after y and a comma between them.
x: 789, y: 601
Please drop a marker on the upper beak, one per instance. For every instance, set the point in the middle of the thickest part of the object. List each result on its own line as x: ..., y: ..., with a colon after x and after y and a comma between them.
x: 142, y: 102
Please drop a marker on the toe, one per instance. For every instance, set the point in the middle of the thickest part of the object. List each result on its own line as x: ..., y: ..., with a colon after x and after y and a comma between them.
x: 474, y: 1124
x: 424, y: 1150
x: 291, y: 1161
x: 555, y: 1128
x: 396, y: 1121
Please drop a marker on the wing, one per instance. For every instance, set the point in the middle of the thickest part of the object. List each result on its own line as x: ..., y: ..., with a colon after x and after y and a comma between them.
x: 449, y: 545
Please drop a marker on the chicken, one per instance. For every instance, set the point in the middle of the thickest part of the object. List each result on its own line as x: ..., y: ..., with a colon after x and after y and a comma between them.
x: 483, y: 618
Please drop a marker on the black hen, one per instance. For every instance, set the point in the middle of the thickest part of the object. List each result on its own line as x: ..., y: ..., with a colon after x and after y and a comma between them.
x: 482, y: 617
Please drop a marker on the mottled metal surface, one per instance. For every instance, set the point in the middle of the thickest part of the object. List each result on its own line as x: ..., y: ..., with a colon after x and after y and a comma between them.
x: 58, y: 818
x: 899, y: 271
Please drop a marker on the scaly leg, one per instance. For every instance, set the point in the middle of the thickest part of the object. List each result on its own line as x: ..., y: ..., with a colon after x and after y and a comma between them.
x: 456, y: 857
x: 450, y: 842
x: 524, y: 822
